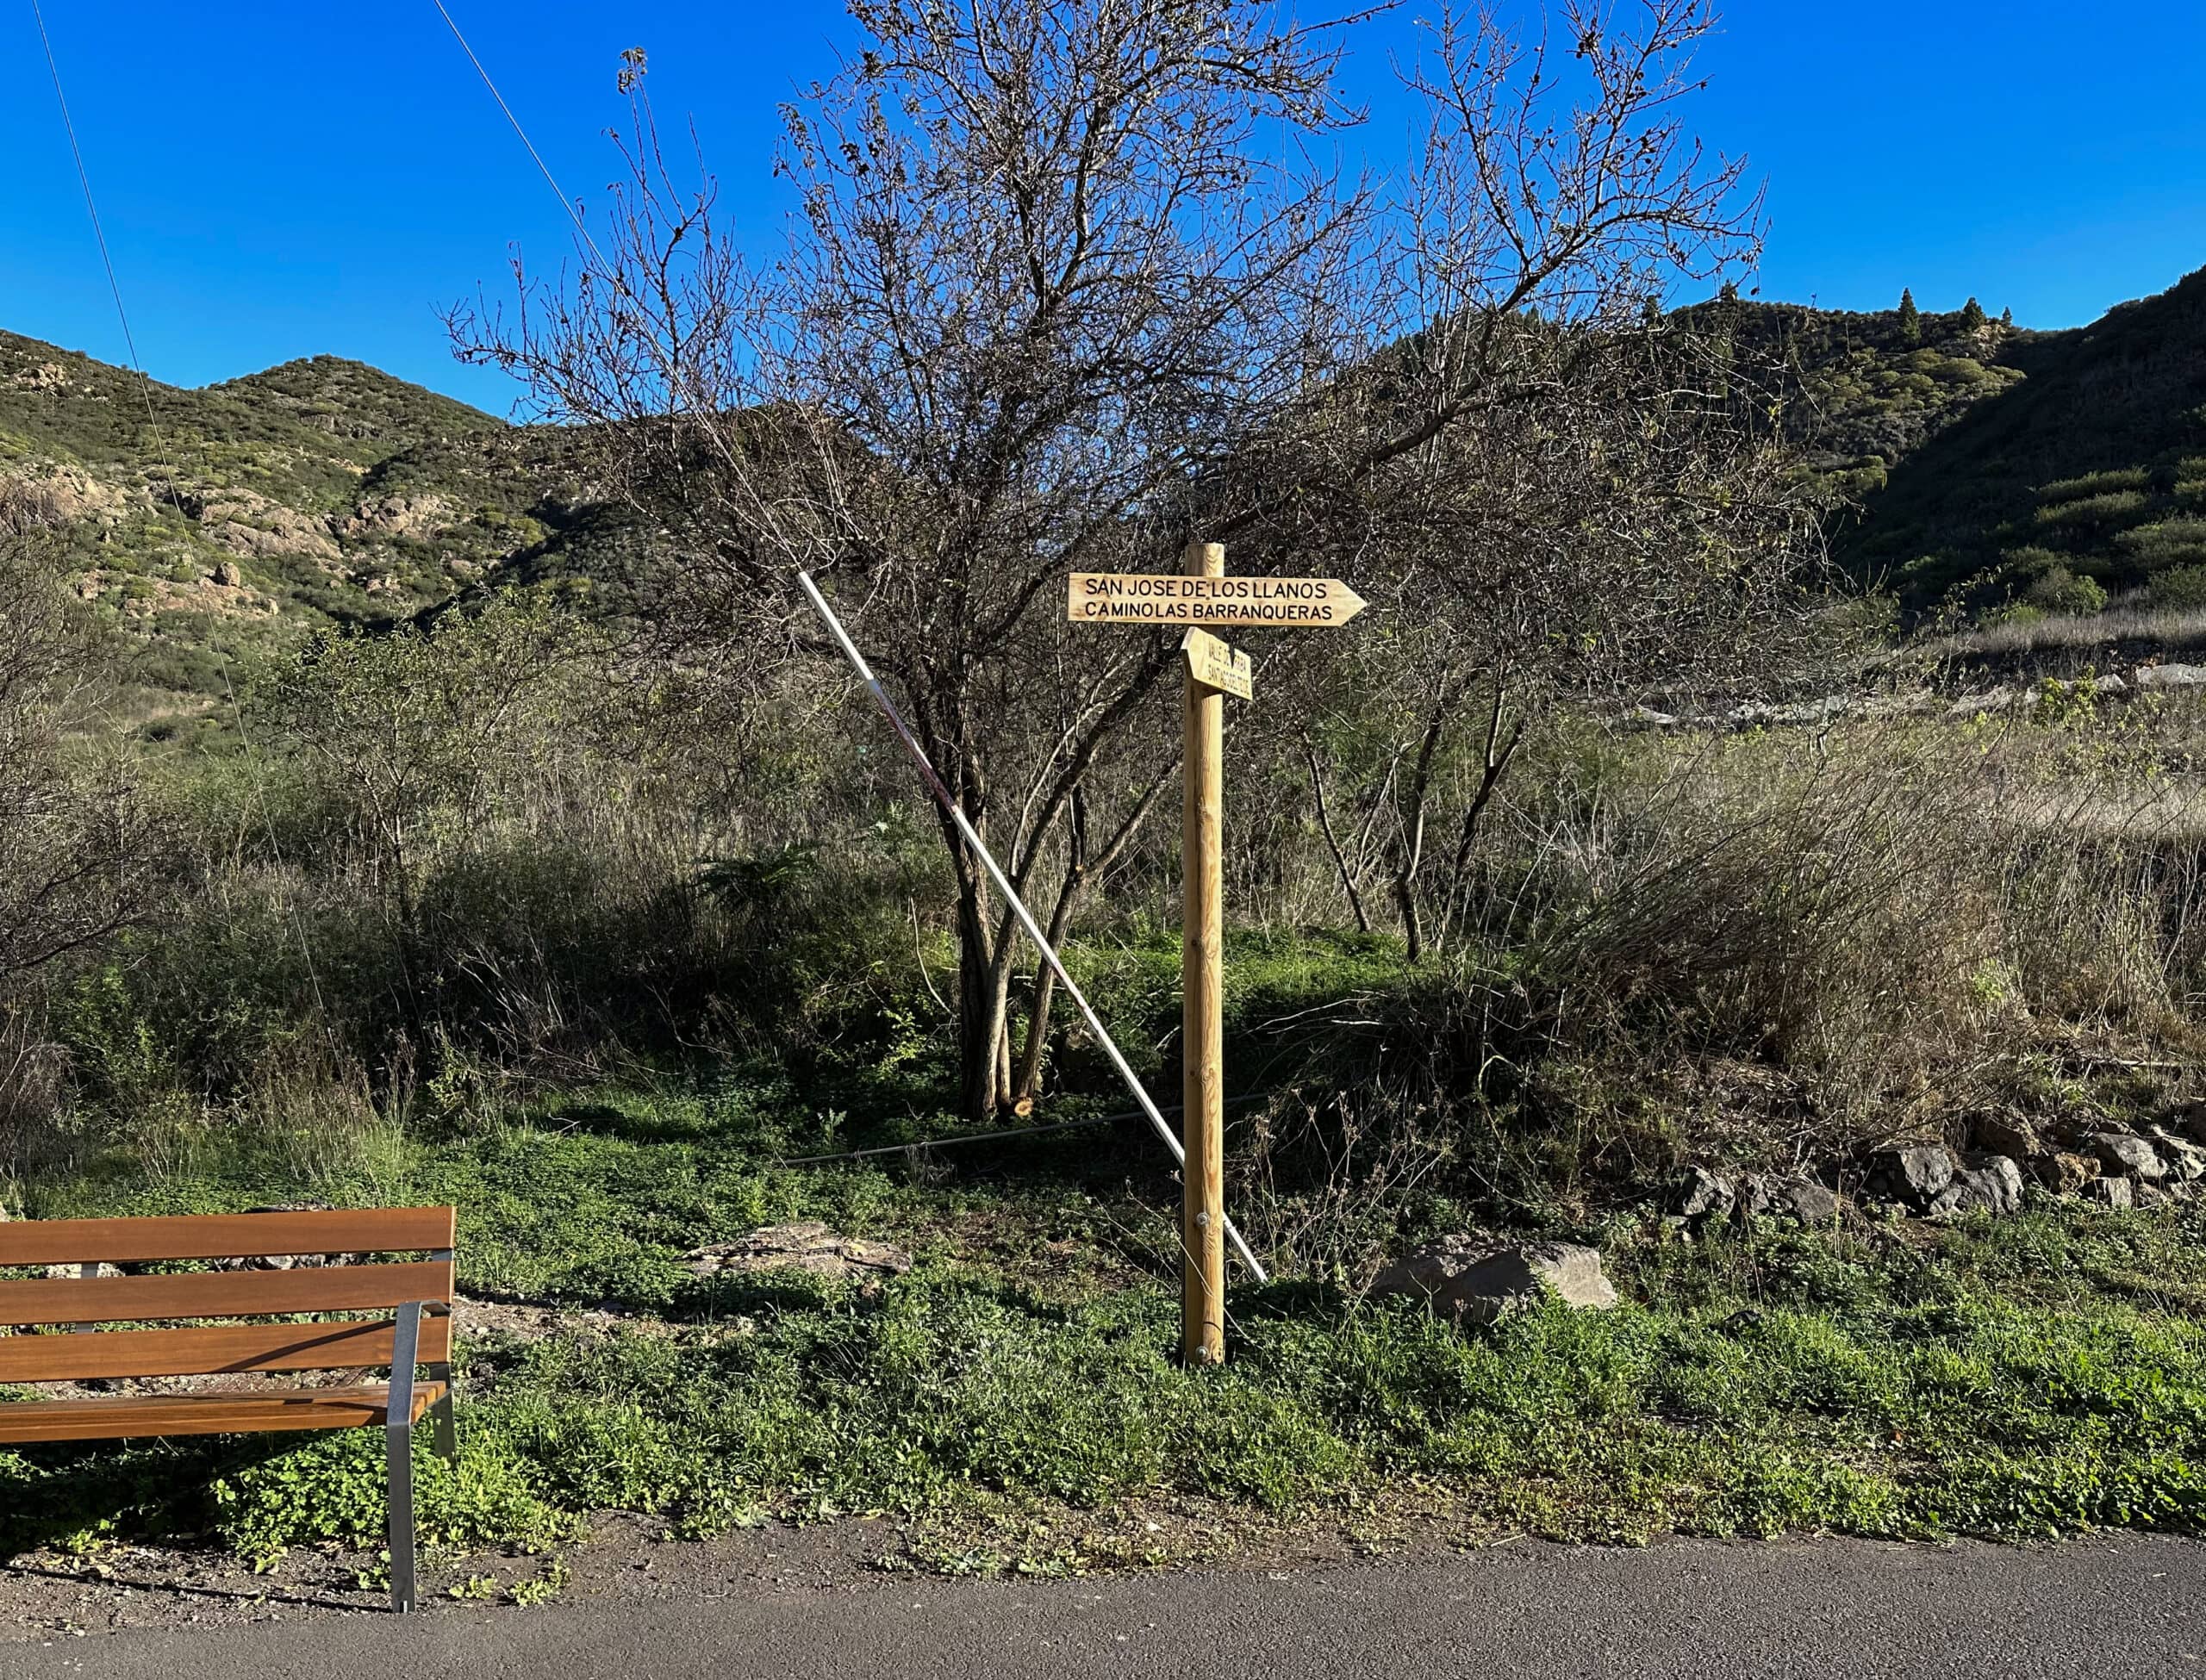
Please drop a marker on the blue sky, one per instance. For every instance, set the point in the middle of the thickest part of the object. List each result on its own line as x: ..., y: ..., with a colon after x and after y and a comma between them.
x: 282, y: 179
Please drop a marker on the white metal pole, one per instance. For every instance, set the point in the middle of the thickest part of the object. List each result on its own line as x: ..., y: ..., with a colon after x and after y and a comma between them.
x: 1018, y: 905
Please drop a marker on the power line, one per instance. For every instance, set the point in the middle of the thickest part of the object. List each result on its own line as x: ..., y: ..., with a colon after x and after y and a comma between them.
x: 160, y: 445
x: 84, y: 181
x: 537, y: 157
x: 919, y: 1146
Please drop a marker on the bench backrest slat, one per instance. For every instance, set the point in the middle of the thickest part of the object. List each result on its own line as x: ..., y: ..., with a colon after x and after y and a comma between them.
x: 212, y: 1349
x: 248, y: 1294
x: 225, y: 1236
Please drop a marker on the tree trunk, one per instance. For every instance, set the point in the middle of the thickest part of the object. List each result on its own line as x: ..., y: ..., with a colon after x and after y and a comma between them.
x: 1498, y: 756
x: 1412, y: 853
x: 978, y: 1025
x: 1332, y: 840
x: 1079, y: 873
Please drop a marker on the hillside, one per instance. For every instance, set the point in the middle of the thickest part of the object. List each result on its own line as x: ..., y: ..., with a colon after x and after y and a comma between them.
x: 2084, y: 478
x: 207, y: 522
x: 1975, y: 466
x: 1974, y: 470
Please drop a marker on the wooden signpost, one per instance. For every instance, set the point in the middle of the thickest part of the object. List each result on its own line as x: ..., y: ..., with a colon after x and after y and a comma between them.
x: 1203, y: 594
x: 1217, y: 664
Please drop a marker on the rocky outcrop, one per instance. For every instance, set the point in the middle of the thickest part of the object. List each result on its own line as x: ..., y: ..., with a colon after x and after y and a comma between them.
x: 1703, y: 1195
x: 412, y: 516
x: 808, y: 1246
x: 1476, y: 1279
x: 2111, y: 1192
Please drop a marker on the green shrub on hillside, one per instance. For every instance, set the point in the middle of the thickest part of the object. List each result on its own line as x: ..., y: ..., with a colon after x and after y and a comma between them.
x: 2174, y: 542
x: 2096, y: 511
x: 2181, y: 589
x: 2094, y: 483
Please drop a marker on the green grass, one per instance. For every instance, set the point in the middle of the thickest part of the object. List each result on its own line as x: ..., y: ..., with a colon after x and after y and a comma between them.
x: 2039, y: 1377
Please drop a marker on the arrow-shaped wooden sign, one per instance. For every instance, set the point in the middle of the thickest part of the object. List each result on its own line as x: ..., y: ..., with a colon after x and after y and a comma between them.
x: 1139, y: 598
x: 1217, y: 664
x: 1203, y: 594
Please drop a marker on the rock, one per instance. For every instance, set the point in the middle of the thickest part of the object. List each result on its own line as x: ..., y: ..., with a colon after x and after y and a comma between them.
x: 2017, y: 1140
x: 2185, y: 1160
x: 1757, y: 1195
x: 416, y: 516
x: 227, y: 574
x: 2064, y: 1173
x: 2121, y: 1154
x: 1478, y: 1279
x: 808, y: 1246
x: 2113, y: 1193
x: 1811, y: 1203
x: 1806, y: 1201
x: 2169, y: 676
x: 1993, y: 1186
x: 99, y: 1269
x: 1915, y: 1172
x: 1702, y: 1192
x: 2149, y: 1196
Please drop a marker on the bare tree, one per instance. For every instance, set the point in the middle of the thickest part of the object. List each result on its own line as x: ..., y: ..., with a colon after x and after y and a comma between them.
x: 1045, y: 280
x: 1548, y: 490
x: 1054, y: 305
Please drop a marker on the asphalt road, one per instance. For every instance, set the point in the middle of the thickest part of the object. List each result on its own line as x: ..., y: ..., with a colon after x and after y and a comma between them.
x: 2113, y: 1609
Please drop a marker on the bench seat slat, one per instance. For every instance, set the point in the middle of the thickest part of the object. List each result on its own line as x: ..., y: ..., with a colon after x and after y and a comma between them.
x: 210, y: 1349
x: 224, y: 1236
x: 122, y: 1417
x: 251, y: 1294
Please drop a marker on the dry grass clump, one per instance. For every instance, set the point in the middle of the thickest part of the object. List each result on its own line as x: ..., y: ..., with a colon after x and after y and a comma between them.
x: 2134, y: 620
x: 1774, y: 950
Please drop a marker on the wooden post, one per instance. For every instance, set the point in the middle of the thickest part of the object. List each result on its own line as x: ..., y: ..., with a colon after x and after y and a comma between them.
x: 1202, y: 962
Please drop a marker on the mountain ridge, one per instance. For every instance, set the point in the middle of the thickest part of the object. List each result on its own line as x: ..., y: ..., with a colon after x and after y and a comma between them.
x: 1973, y: 468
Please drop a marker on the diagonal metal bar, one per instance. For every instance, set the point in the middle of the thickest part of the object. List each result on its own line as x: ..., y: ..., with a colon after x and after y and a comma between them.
x: 1018, y: 905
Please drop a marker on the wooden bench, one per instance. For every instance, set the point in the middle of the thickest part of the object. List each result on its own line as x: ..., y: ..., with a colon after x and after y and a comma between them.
x: 58, y: 1338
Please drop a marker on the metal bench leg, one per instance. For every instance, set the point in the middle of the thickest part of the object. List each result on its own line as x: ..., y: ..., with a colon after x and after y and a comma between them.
x: 399, y: 1441
x: 446, y: 1427
x: 398, y: 1444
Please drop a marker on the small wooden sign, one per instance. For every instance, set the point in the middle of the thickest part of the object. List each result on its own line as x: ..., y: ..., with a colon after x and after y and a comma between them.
x: 1217, y: 664
x: 1140, y: 598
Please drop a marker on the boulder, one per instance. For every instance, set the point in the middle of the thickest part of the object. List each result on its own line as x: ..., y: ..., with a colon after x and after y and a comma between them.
x: 2121, y: 1154
x: 1478, y: 1280
x: 808, y: 1246
x: 1701, y: 1193
x: 1914, y: 1172
x: 1993, y: 1186
x: 1806, y: 1200
x: 2112, y: 1193
x: 2184, y: 1158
